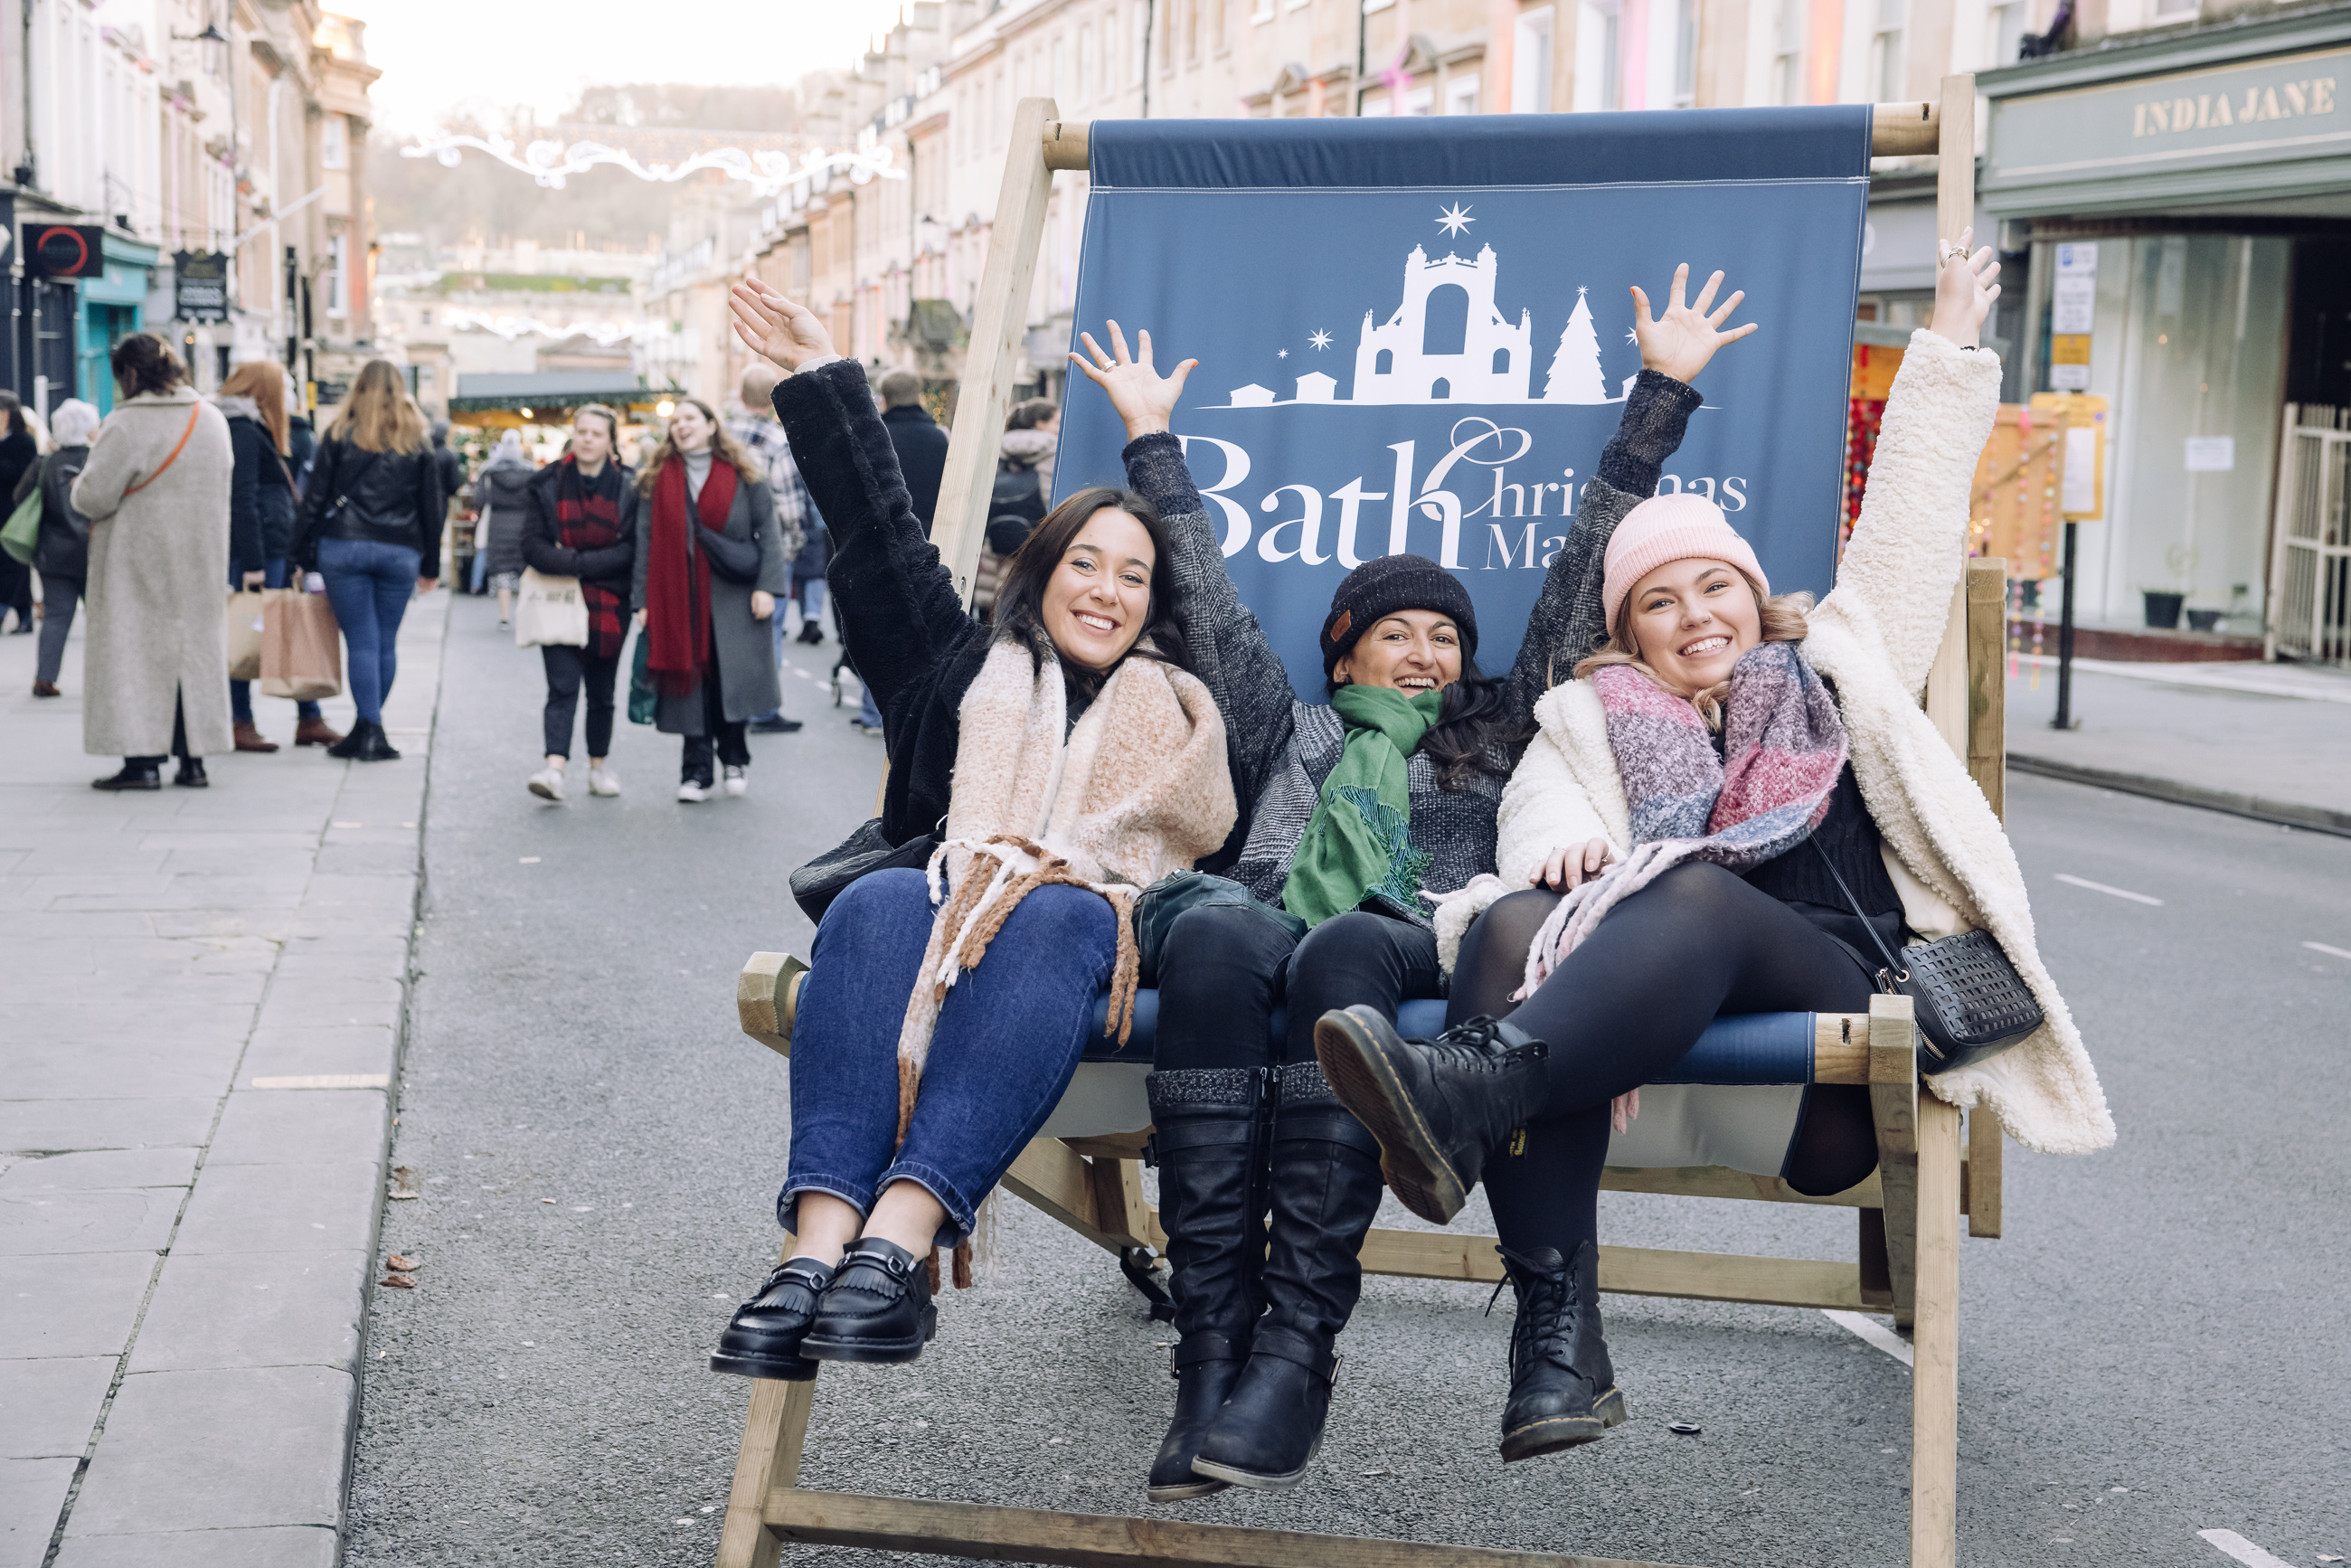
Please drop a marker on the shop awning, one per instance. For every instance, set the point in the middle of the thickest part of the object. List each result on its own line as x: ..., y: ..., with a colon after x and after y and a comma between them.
x: 2237, y: 119
x: 546, y: 397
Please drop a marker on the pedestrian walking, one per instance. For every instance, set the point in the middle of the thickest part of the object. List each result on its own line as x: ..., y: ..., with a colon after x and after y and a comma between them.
x: 19, y: 452
x: 918, y: 438
x: 582, y: 524
x: 756, y: 428
x: 61, y: 551
x: 261, y: 510
x: 155, y: 488
x: 501, y: 495
x: 808, y: 576
x: 910, y: 1098
x: 709, y: 564
x: 452, y: 467
x: 371, y: 527
x: 1023, y: 489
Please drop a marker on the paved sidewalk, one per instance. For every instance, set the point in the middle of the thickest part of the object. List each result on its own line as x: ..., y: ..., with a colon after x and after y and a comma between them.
x: 187, y: 1235
x: 2269, y: 741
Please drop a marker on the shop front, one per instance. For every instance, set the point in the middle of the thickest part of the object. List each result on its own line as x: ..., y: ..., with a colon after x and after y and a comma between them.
x: 113, y: 305
x: 2186, y: 204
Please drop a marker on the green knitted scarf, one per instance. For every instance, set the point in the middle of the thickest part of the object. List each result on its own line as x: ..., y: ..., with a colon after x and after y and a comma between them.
x: 1356, y: 843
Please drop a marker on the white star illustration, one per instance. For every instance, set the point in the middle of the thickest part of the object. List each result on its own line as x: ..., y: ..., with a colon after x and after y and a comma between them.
x: 1633, y: 336
x: 1320, y: 339
x: 1281, y: 353
x: 1454, y: 218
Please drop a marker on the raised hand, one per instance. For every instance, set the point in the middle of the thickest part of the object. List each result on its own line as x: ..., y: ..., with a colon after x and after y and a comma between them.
x: 1144, y: 398
x: 782, y: 331
x: 1964, y: 289
x: 1680, y: 342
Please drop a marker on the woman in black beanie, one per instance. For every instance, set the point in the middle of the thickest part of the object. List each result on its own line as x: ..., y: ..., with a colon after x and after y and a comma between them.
x: 1354, y: 807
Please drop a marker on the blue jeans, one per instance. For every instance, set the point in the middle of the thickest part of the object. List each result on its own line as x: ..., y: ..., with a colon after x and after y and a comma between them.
x: 1009, y: 1037
x: 481, y: 569
x: 370, y: 585
x: 240, y: 692
x: 867, y: 714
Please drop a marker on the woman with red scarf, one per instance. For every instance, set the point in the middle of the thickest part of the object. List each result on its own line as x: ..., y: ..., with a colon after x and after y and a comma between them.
x: 581, y: 521
x: 710, y: 564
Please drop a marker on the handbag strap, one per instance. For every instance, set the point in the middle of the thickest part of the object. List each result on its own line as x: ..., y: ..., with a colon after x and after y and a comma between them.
x: 1892, y: 965
x: 151, y: 478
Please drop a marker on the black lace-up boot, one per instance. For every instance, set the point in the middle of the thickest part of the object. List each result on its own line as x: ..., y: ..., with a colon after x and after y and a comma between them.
x: 763, y: 1340
x: 1563, y: 1390
x: 1436, y: 1106
x: 878, y: 1307
x: 1210, y: 1129
x: 1326, y: 1190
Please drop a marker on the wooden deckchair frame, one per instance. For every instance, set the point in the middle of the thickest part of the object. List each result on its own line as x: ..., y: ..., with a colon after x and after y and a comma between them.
x: 1908, y: 1212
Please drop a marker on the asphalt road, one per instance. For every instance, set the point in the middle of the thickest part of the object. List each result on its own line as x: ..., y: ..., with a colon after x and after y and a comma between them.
x: 2156, y: 1348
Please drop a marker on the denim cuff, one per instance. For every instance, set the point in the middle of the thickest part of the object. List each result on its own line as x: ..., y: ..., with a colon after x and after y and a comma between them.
x: 787, y: 1201
x: 961, y: 1212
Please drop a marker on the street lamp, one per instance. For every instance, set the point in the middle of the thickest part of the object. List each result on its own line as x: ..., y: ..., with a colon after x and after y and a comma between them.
x: 665, y: 408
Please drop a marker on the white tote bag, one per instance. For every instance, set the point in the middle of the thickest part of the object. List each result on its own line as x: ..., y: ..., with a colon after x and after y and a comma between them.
x: 549, y: 612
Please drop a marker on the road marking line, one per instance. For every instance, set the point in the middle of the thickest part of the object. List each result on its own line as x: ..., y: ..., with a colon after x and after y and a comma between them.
x: 1869, y: 1331
x: 2111, y: 891
x: 2242, y: 1550
x: 328, y: 1081
x: 2331, y: 951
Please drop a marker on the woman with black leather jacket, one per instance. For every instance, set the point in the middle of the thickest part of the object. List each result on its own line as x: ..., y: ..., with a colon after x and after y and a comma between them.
x: 372, y: 517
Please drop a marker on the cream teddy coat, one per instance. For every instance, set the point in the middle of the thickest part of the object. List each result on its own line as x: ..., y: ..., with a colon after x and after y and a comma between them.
x: 158, y: 585
x: 1873, y: 639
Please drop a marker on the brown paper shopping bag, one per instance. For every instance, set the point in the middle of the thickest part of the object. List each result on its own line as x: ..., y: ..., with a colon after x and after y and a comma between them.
x: 301, y: 646
x: 245, y: 636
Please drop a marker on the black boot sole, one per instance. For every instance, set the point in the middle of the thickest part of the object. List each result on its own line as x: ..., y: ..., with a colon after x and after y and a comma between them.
x: 1255, y: 1480
x: 1185, y: 1491
x: 795, y: 1369
x: 1356, y: 1065
x: 1561, y: 1433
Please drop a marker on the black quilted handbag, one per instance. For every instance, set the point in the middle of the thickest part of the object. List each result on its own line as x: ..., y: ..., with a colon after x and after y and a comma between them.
x: 1970, y: 1002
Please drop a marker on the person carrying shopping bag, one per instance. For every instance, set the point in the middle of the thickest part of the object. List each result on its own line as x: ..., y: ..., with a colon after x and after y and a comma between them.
x: 582, y: 525
x: 372, y: 517
x: 709, y: 566
x: 155, y: 489
x: 261, y: 523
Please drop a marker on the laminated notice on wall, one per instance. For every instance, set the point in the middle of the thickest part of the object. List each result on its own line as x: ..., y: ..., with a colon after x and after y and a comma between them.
x: 1416, y: 335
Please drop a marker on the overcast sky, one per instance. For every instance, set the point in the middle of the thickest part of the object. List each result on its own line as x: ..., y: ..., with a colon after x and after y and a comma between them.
x: 440, y: 54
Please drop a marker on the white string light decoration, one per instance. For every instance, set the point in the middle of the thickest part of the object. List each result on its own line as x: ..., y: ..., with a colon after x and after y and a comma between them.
x: 552, y: 162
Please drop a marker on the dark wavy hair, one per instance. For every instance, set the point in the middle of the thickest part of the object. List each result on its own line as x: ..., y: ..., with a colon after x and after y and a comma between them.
x: 1020, y: 600
x: 143, y: 363
x: 1474, y: 733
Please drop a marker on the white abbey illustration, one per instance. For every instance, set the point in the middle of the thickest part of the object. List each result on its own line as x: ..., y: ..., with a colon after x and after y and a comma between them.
x: 1446, y: 342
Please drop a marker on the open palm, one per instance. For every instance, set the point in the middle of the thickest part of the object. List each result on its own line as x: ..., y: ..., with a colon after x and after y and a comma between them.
x: 1144, y: 398
x: 783, y: 331
x: 1680, y: 342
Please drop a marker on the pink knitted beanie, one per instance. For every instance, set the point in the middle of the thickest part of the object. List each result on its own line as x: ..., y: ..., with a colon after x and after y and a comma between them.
x: 1663, y: 528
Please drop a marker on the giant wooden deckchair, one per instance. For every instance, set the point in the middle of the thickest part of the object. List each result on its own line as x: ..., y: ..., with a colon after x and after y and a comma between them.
x: 1085, y: 1170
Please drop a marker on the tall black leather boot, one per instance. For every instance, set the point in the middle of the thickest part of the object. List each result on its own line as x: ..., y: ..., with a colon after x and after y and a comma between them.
x: 1563, y: 1389
x: 1326, y: 1188
x: 1211, y: 1131
x: 1437, y: 1105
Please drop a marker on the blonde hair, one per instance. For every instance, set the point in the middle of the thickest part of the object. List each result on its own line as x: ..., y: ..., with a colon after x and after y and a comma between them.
x: 723, y: 447
x: 378, y: 415
x: 1783, y: 616
x: 265, y: 383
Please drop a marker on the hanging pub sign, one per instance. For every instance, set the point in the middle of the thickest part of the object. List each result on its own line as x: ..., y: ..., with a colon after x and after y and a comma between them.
x: 1415, y: 335
x: 199, y: 286
x: 65, y: 250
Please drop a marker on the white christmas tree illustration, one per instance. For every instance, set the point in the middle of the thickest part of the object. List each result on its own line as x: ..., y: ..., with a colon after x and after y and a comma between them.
x: 1575, y: 366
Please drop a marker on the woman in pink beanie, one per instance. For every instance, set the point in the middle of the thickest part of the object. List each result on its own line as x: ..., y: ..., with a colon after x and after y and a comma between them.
x: 1752, y: 800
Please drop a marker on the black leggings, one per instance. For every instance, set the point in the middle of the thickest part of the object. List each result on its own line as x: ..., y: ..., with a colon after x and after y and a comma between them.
x: 568, y: 669
x: 1224, y: 968
x: 1626, y: 1006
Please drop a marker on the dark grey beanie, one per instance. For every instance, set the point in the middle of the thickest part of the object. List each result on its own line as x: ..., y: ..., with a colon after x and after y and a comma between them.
x: 1385, y: 584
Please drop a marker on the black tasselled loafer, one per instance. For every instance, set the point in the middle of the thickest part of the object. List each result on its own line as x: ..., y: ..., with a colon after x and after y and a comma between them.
x: 877, y: 1309
x: 763, y: 1339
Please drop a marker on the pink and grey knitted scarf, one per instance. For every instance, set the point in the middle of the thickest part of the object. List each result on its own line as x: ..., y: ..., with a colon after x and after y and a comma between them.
x: 1783, y: 747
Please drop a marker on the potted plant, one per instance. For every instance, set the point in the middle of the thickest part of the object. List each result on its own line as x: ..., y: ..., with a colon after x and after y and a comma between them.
x: 2163, y: 608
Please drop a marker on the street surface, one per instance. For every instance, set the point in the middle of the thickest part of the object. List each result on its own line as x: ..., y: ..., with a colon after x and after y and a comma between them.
x: 2154, y: 1350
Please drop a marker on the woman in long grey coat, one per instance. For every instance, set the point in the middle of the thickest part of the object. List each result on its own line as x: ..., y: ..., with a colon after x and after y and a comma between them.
x: 710, y: 564
x: 156, y: 491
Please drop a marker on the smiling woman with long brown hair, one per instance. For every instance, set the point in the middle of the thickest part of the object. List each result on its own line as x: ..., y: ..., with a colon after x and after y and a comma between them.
x: 1067, y: 758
